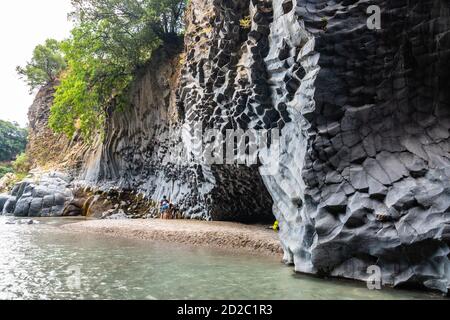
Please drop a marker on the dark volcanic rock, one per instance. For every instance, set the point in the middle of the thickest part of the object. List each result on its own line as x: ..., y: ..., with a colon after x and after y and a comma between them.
x: 155, y: 146
x: 375, y: 119
x: 3, y: 199
x: 362, y: 176
x: 42, y: 195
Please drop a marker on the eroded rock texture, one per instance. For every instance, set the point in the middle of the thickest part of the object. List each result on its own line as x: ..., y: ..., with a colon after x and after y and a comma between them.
x: 46, y: 149
x: 363, y: 172
x: 365, y: 179
x: 43, y: 195
x: 146, y: 146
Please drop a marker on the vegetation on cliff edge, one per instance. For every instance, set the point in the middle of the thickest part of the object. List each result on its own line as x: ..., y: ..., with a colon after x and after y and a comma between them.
x: 96, y: 65
x: 45, y: 66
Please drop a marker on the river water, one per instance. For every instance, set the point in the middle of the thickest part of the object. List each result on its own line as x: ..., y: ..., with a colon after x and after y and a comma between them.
x: 42, y: 261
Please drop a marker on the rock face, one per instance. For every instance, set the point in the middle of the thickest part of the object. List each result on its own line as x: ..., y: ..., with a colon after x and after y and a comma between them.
x: 362, y: 175
x: 365, y: 178
x: 46, y: 149
x: 40, y: 196
x: 147, y: 148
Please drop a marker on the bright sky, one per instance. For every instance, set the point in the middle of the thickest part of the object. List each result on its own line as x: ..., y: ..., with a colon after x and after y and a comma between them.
x: 23, y: 25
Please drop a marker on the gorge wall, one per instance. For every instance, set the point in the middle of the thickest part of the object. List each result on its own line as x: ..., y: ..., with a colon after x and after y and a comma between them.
x: 372, y: 170
x: 362, y: 177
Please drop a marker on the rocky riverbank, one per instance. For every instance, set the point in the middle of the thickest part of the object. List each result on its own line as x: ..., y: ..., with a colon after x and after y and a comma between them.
x: 42, y: 194
x: 256, y: 239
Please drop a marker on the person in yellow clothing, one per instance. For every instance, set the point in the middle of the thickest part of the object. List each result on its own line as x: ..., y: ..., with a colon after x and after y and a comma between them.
x: 276, y: 226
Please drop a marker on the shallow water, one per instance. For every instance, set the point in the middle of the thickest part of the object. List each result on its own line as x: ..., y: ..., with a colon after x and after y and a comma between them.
x: 44, y: 262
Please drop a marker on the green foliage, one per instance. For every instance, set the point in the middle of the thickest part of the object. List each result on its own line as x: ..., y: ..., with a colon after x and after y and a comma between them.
x: 22, y: 163
x: 5, y: 169
x: 45, y: 66
x: 162, y: 17
x: 89, y: 84
x: 13, y: 140
x: 111, y: 40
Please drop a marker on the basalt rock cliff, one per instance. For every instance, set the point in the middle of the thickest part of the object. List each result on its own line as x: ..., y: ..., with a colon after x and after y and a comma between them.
x: 363, y: 172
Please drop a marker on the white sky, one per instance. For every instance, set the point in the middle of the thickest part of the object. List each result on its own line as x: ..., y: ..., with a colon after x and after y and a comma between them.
x: 23, y: 25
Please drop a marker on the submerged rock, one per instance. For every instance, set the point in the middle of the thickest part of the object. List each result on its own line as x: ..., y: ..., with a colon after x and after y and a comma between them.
x: 22, y: 221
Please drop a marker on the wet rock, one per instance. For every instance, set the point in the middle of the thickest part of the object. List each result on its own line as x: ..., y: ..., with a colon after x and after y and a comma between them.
x: 22, y: 221
x: 72, y: 210
x: 3, y: 199
x: 22, y: 207
x: 35, y: 207
x: 10, y: 205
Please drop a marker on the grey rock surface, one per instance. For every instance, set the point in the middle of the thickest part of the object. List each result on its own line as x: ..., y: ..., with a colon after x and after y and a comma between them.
x: 3, y: 199
x: 370, y: 157
x: 41, y: 195
x: 363, y: 175
x: 149, y: 146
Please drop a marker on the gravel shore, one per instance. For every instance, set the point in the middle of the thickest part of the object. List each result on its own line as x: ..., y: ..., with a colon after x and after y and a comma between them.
x: 225, y: 235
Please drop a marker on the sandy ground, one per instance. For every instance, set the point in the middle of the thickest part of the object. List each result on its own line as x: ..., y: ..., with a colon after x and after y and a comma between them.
x: 225, y: 235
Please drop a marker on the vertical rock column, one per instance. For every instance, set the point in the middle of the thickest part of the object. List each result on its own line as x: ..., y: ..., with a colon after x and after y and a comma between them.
x: 292, y: 65
x: 156, y: 145
x: 369, y: 180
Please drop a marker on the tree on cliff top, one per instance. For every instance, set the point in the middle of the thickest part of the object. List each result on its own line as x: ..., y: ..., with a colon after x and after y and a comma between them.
x: 163, y: 17
x: 111, y: 40
x: 45, y: 66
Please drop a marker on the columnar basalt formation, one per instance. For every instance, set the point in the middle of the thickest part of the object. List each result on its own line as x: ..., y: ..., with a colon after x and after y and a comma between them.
x: 363, y: 172
x: 362, y: 177
x: 366, y: 182
x: 43, y: 195
x: 148, y: 146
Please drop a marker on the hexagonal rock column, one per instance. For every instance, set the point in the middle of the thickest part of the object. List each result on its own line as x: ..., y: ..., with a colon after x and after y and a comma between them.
x: 40, y: 196
x: 365, y: 175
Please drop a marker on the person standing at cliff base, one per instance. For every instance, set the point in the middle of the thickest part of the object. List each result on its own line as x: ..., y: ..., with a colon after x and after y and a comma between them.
x: 165, y: 205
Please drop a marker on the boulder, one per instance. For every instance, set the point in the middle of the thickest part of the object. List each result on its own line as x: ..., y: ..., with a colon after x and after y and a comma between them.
x: 3, y: 199
x: 10, y: 206
x: 44, y: 194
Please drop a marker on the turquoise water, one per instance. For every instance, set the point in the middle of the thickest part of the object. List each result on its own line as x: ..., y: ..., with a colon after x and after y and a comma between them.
x: 44, y: 262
